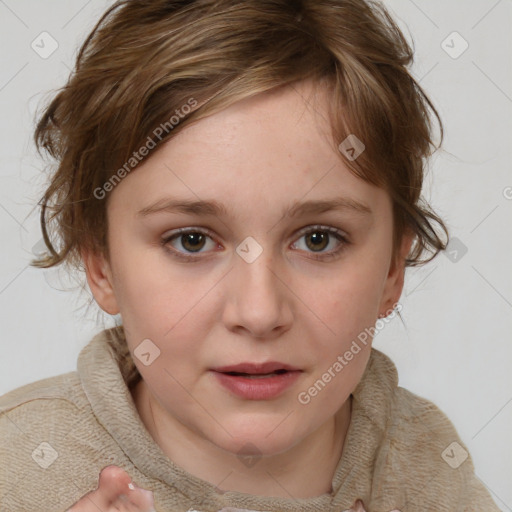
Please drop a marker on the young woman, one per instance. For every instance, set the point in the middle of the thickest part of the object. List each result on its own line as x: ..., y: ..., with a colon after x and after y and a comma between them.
x: 241, y: 183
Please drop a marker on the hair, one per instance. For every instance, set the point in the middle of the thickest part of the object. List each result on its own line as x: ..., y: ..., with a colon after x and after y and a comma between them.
x: 144, y: 61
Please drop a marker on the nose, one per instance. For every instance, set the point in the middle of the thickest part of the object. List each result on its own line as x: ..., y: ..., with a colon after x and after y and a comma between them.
x: 258, y: 300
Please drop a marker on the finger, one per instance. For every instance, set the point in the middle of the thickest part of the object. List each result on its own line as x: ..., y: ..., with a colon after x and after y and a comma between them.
x: 123, y: 504
x: 358, y: 506
x: 142, y: 498
x: 113, y: 481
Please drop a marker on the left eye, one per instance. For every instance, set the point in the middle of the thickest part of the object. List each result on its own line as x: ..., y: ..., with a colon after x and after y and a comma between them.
x: 317, y: 238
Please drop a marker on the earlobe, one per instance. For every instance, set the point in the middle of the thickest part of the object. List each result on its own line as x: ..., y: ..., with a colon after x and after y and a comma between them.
x: 395, y: 279
x: 99, y: 278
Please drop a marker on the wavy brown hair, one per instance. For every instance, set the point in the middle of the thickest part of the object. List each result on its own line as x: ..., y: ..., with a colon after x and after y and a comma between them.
x: 145, y: 59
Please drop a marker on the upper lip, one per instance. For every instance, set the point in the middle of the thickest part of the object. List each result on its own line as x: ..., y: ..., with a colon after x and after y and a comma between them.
x: 255, y: 368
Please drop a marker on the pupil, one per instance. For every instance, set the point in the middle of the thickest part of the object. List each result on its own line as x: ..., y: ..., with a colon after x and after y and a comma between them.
x: 317, y: 237
x: 192, y: 239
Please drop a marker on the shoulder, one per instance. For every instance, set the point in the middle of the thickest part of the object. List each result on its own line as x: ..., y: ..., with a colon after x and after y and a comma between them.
x: 40, y: 406
x: 46, y: 402
x: 421, y: 418
x: 47, y: 433
x: 33, y: 414
x: 60, y: 387
x: 424, y: 459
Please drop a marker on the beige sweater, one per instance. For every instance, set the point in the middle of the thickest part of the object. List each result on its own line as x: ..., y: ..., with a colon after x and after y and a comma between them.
x: 401, y: 452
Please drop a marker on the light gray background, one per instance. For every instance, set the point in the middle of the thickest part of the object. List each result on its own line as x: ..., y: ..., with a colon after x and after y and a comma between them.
x: 456, y: 347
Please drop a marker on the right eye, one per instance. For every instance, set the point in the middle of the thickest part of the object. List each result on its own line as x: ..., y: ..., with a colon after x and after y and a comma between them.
x: 190, y: 239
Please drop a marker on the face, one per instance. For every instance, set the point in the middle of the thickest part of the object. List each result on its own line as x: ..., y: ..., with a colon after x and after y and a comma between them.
x: 256, y: 280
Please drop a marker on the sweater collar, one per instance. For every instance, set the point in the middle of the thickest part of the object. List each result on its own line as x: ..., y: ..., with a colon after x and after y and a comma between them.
x: 107, y: 374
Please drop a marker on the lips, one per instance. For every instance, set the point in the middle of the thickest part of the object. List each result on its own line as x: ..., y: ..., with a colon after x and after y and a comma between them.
x: 257, y: 381
x: 256, y: 369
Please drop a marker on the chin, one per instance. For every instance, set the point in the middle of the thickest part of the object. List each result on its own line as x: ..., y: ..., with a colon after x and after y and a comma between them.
x: 257, y: 439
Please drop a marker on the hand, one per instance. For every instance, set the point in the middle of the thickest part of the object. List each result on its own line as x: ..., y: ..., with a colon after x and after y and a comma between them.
x: 115, y: 492
x: 358, y: 506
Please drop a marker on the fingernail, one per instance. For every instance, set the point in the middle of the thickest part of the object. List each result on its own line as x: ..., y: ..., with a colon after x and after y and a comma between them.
x: 135, y: 487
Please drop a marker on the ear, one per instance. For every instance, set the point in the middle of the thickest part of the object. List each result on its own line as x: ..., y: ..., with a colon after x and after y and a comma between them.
x: 99, y: 277
x: 395, y: 279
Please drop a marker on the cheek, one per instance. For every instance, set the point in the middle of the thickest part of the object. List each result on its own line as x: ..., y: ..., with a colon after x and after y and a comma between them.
x: 348, y: 302
x: 334, y: 379
x: 347, y: 306
x: 150, y: 292
x: 162, y: 304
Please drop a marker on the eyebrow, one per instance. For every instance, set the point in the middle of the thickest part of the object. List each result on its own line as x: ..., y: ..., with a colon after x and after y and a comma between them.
x: 214, y: 208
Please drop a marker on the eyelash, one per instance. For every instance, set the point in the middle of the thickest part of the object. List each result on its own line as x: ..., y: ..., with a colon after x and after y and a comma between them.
x: 339, y: 235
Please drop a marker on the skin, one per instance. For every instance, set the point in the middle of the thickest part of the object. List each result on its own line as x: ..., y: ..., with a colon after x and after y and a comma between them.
x: 256, y: 157
x: 114, y: 494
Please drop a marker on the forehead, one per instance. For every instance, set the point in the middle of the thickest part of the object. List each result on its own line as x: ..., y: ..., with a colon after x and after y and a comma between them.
x: 258, y: 155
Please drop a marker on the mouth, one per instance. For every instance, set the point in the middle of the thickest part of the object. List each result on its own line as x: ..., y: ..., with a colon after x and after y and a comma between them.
x: 257, y: 381
x: 255, y: 369
x: 257, y: 375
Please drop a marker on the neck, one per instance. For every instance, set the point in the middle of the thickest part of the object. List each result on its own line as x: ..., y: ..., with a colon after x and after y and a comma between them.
x: 286, y: 474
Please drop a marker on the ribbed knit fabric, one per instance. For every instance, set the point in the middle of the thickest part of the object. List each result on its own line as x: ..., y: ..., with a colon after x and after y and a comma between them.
x: 57, y: 434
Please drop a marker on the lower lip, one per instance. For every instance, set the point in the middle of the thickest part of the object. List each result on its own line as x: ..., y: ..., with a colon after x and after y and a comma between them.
x: 261, y: 388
